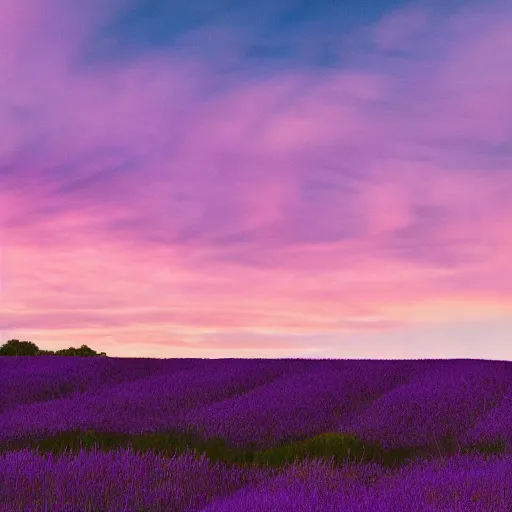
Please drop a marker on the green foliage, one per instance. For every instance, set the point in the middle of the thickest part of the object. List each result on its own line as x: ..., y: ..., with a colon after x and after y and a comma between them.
x: 27, y: 348
x: 491, y: 448
x: 19, y: 348
x: 340, y: 448
x: 83, y: 351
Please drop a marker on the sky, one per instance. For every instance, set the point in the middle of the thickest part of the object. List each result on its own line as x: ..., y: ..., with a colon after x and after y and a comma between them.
x: 280, y: 178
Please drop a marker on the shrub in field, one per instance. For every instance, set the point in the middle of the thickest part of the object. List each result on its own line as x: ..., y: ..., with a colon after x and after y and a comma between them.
x: 339, y: 447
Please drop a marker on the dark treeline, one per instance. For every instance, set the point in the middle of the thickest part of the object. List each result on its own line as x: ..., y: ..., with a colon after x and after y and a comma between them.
x: 27, y: 348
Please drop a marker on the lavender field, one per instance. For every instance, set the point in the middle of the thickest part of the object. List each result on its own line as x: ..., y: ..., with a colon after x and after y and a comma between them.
x: 233, y: 435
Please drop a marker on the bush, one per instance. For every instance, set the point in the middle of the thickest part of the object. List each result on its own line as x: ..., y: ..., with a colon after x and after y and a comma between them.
x: 27, y: 348
x: 19, y: 348
x: 339, y: 446
x: 83, y: 351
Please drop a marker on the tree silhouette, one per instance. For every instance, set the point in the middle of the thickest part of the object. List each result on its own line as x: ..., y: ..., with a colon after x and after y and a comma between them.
x: 83, y: 351
x: 27, y: 348
x: 19, y: 348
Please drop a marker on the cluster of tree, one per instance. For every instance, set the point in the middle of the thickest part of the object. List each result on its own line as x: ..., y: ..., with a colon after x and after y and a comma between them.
x: 27, y: 348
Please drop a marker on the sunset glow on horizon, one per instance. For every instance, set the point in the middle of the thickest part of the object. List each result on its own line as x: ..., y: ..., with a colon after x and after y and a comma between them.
x: 258, y: 179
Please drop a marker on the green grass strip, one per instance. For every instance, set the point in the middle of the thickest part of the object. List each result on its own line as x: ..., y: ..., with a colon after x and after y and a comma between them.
x: 341, y: 448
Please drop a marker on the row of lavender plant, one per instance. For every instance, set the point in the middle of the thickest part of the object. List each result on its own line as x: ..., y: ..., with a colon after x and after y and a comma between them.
x: 465, y: 483
x: 144, y: 405
x: 300, y: 405
x: 451, y: 399
x: 25, y: 380
x: 170, y: 400
x: 265, y: 402
x: 122, y: 481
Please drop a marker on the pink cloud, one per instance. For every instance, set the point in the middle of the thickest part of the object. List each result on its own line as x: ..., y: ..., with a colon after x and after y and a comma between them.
x: 353, y: 200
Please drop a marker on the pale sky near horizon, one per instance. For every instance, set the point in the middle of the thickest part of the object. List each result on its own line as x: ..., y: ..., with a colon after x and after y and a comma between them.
x: 278, y: 178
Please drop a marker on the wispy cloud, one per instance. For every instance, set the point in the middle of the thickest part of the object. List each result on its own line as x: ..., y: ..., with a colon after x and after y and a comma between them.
x: 177, y: 180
